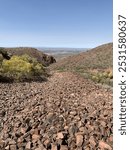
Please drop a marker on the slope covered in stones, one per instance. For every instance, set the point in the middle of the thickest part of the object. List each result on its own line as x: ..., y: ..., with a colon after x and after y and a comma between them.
x: 67, y: 112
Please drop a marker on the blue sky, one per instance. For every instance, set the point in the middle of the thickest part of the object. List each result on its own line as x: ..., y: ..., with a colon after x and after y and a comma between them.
x: 55, y: 23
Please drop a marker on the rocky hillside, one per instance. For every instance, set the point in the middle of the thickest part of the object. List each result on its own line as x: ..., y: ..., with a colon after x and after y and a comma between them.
x: 97, y: 58
x: 67, y: 112
x: 95, y: 64
x: 40, y: 56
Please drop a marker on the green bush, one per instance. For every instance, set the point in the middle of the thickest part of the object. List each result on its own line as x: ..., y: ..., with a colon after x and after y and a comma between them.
x: 21, y: 68
x: 103, y: 77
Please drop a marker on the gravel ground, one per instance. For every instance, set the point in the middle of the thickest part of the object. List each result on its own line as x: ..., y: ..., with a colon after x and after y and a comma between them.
x: 65, y: 113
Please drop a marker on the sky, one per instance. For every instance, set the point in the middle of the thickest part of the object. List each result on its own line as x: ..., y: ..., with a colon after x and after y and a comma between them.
x: 55, y: 23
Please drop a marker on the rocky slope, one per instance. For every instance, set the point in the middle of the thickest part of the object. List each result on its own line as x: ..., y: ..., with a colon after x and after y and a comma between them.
x: 67, y: 112
x: 95, y: 64
x: 100, y: 57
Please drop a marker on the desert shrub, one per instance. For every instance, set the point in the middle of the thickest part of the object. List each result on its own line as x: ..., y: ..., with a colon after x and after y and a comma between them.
x: 20, y: 68
x: 103, y: 77
x: 96, y: 78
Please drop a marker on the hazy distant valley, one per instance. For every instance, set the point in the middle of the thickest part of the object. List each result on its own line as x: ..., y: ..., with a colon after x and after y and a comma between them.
x: 60, y: 53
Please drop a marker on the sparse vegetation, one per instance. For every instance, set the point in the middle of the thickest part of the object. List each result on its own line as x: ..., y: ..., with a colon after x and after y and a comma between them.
x: 95, y: 64
x: 22, y: 68
x: 104, y: 77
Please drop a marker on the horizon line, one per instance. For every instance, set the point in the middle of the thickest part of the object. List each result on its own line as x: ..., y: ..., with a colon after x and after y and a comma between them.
x: 43, y: 47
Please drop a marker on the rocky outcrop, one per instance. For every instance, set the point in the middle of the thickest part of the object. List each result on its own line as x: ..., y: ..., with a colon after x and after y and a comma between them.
x: 4, y: 53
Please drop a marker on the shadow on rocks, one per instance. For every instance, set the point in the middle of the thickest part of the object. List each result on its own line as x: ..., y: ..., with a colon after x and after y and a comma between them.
x: 40, y: 79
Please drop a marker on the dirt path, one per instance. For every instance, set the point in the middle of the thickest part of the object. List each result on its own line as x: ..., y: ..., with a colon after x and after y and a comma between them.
x: 65, y: 113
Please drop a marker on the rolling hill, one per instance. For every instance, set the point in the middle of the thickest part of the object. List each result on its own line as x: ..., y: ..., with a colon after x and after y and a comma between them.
x: 95, y: 64
x: 32, y: 52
